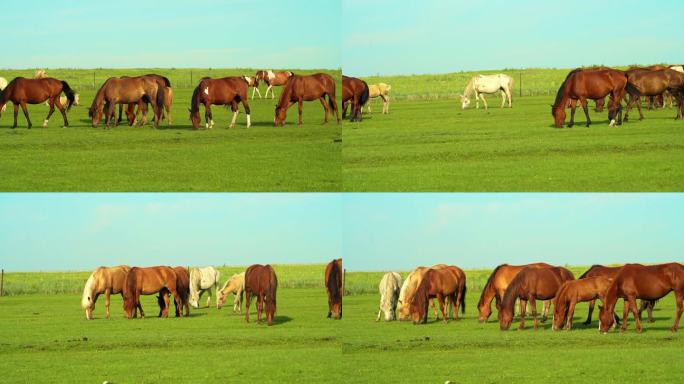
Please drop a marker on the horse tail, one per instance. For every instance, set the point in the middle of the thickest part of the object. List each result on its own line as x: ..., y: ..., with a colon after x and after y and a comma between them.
x: 463, y: 297
x: 167, y: 82
x: 331, y: 96
x: 365, y: 96
x: 160, y: 99
x: 71, y: 96
x: 271, y: 291
x: 130, y: 287
x: 632, y: 90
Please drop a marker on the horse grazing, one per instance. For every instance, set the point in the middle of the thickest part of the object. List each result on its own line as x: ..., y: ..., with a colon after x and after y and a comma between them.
x: 496, y: 286
x: 531, y: 284
x: 380, y: 90
x: 236, y: 286
x: 582, y: 84
x: 203, y: 280
x: 223, y: 91
x: 487, y: 84
x: 126, y: 90
x: 334, y: 288
x: 148, y: 281
x: 183, y: 288
x: 21, y: 91
x: 354, y: 92
x: 307, y: 88
x: 574, y: 291
x: 408, y: 290
x: 389, y: 288
x: 107, y: 280
x: 441, y: 284
x: 653, y: 83
x: 649, y: 282
x: 272, y: 79
x: 261, y: 281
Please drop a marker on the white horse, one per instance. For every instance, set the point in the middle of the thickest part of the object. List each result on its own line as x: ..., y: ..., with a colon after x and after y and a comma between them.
x: 389, y: 295
x: 380, y: 90
x: 3, y: 85
x: 202, y: 280
x: 236, y: 286
x: 480, y: 85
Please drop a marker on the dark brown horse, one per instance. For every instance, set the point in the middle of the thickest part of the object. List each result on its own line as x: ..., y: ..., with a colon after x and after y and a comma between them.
x: 573, y: 292
x: 354, y: 92
x: 223, y: 91
x: 583, y: 84
x: 261, y: 281
x: 531, y: 284
x: 148, y: 281
x: 496, y: 285
x: 307, y: 88
x: 653, y: 83
x: 272, y: 79
x: 649, y: 282
x: 126, y: 90
x: 21, y: 91
x: 131, y: 115
x: 446, y: 283
x: 183, y: 288
x: 333, y: 286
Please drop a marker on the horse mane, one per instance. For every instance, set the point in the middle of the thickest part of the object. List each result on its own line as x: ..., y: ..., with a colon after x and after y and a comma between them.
x: 194, y: 101
x: 88, y: 290
x: 469, y: 87
x: 287, y: 92
x: 582, y: 276
x: 129, y: 289
x: 167, y: 82
x: 421, y: 296
x: 488, y: 283
x: 99, y: 96
x: 271, y: 290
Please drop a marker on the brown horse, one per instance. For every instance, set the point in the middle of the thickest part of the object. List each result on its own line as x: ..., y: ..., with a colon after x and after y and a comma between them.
x: 261, y: 281
x: 148, y: 281
x: 354, y: 92
x: 653, y: 83
x: 496, y: 285
x: 126, y: 90
x: 531, y: 284
x: 183, y: 288
x: 107, y: 280
x: 441, y: 284
x: 583, y: 84
x: 272, y: 79
x: 574, y: 291
x: 650, y: 282
x: 307, y: 88
x: 131, y: 115
x: 21, y: 91
x: 333, y: 286
x: 408, y: 290
x: 223, y: 91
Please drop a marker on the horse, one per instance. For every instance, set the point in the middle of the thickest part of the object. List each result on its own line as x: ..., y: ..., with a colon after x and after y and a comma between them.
x: 653, y: 83
x: 531, y: 284
x: 496, y: 286
x: 487, y: 84
x: 380, y: 90
x: 203, y: 280
x: 636, y: 281
x: 107, y: 280
x: 21, y: 91
x: 354, y: 92
x: 163, y: 82
x: 389, y: 288
x: 408, y: 290
x: 223, y: 91
x: 261, y: 281
x: 610, y: 272
x: 574, y: 291
x: 272, y: 79
x: 236, y: 286
x: 582, y: 84
x: 126, y: 90
x: 183, y: 288
x: 148, y: 281
x: 334, y: 288
x: 439, y: 283
x: 306, y: 88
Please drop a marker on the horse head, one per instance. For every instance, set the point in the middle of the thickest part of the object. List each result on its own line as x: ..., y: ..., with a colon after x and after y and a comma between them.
x: 465, y: 101
x: 558, y: 114
x: 280, y: 115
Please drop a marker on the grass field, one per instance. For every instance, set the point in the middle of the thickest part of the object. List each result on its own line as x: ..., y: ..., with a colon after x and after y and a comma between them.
x: 177, y: 158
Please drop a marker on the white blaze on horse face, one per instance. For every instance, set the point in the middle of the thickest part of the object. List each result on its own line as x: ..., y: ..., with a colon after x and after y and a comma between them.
x: 206, y: 90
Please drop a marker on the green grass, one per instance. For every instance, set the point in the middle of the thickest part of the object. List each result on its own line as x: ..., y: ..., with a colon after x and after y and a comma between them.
x: 177, y: 158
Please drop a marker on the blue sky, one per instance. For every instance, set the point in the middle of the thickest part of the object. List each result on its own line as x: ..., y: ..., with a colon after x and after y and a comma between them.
x: 436, y: 36
x: 401, y: 231
x: 171, y: 33
x: 58, y: 231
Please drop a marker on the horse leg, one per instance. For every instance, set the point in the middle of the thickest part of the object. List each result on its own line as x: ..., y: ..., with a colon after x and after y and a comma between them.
x: 326, y: 110
x: 503, y: 98
x: 16, y: 113
x: 107, y: 293
x: 234, y: 108
x: 442, y: 307
x: 523, y: 306
x: 270, y: 88
x: 591, y: 310
x: 635, y: 312
x: 484, y: 101
x: 545, y: 310
x: 533, y: 304
x: 585, y: 107
x: 51, y: 103
x: 208, y: 118
x: 345, y: 105
x: 679, y: 298
x: 259, y: 305
x: 28, y: 119
x: 209, y: 297
x: 570, y: 315
x: 649, y: 308
x: 641, y: 114
x: 62, y: 110
x: 300, y: 105
x: 573, y: 106
x: 111, y: 107
x: 248, y: 301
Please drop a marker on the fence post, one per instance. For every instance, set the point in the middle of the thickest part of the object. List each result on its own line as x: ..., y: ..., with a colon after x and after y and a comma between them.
x: 2, y: 283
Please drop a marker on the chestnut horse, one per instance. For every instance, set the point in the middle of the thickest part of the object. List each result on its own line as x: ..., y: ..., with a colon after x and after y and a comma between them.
x: 531, y: 284
x: 650, y: 282
x: 441, y: 284
x: 21, y: 91
x: 333, y: 286
x: 354, y: 92
x: 261, y: 281
x: 223, y: 91
x: 408, y: 290
x: 583, y: 84
x: 496, y: 285
x: 574, y: 291
x: 107, y: 280
x: 183, y: 288
x: 307, y: 88
x: 610, y: 272
x: 162, y: 81
x: 272, y: 79
x: 148, y: 281
x: 126, y: 90
x: 653, y: 83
